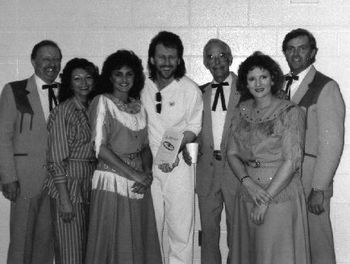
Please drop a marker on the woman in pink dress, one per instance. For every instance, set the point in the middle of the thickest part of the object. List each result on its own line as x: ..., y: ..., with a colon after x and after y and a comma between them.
x: 265, y: 151
x: 122, y: 223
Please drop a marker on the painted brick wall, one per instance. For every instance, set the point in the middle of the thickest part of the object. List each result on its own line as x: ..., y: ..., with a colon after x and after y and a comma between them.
x: 95, y: 28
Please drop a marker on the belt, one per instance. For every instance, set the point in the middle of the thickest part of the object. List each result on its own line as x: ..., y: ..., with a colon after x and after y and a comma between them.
x: 82, y: 160
x: 217, y: 155
x: 130, y: 156
x: 262, y: 164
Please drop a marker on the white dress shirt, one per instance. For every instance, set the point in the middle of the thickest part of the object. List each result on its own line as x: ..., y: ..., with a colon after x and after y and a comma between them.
x: 218, y: 117
x: 44, y: 96
x: 295, y: 84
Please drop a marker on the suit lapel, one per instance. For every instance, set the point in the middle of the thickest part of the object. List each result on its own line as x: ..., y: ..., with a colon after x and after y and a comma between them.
x: 304, y: 85
x: 207, y: 111
x: 34, y: 99
x: 233, y: 101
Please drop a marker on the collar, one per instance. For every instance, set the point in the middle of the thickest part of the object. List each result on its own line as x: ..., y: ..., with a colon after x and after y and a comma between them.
x: 302, y: 74
x: 39, y: 82
x: 78, y: 104
x: 228, y: 79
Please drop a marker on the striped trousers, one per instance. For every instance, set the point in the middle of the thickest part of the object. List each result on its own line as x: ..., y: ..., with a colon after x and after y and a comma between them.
x: 70, y: 238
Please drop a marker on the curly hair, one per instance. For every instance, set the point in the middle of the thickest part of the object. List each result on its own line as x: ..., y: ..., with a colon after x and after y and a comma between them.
x: 118, y: 60
x: 65, y: 91
x: 259, y: 60
x: 297, y: 33
x: 169, y: 40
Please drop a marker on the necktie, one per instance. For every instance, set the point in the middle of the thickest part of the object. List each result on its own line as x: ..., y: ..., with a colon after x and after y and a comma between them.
x: 290, y: 79
x: 219, y: 92
x: 51, y: 94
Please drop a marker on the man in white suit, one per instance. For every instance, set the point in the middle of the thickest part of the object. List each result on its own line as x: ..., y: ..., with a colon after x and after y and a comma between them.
x: 321, y: 98
x: 24, y: 108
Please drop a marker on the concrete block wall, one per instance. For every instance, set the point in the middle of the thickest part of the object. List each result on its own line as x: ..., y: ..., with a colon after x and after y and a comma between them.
x: 95, y: 28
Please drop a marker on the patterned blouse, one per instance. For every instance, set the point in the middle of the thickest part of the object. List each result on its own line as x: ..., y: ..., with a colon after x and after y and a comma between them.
x: 264, y: 138
x: 70, y: 157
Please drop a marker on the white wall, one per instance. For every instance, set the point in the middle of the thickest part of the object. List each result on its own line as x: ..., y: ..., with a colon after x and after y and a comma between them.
x: 94, y: 29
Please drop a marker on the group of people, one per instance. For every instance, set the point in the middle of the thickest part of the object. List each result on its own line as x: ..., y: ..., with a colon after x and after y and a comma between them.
x: 84, y: 186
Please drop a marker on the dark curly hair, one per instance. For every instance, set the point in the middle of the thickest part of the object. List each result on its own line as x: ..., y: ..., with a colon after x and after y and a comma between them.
x: 297, y: 33
x: 259, y: 60
x: 169, y: 40
x: 118, y: 60
x: 65, y: 91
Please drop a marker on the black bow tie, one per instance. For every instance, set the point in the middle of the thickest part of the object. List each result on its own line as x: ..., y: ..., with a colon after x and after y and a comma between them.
x: 290, y: 79
x: 216, y: 85
x: 49, y: 86
x: 51, y: 95
x: 219, y: 92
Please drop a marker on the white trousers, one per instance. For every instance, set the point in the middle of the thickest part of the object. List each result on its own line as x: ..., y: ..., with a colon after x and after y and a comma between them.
x: 173, y: 199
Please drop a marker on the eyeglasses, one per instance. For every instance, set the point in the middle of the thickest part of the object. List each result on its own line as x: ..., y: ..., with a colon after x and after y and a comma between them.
x: 159, y: 102
x: 222, y: 57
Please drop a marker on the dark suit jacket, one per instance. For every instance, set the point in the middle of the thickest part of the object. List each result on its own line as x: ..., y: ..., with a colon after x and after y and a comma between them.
x: 205, y: 169
x: 324, y: 139
x: 23, y: 141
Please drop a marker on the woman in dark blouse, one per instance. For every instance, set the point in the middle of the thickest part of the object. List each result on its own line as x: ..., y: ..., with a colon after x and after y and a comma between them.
x: 71, y: 161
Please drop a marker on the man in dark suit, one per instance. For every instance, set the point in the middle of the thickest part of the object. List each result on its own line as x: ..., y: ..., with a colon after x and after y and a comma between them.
x: 216, y: 183
x: 321, y: 98
x: 24, y: 108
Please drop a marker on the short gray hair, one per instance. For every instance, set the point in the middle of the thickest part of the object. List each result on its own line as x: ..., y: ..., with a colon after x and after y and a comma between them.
x: 219, y: 42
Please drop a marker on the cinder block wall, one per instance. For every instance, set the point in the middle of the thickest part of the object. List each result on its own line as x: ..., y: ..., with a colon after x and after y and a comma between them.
x: 94, y: 29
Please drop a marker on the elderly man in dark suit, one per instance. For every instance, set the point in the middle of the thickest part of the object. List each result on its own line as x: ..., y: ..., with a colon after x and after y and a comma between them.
x: 216, y: 183
x: 24, y: 108
x: 321, y: 98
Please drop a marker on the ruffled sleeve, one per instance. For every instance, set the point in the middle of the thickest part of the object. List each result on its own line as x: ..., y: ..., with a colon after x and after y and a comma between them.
x: 99, y: 122
x: 293, y: 135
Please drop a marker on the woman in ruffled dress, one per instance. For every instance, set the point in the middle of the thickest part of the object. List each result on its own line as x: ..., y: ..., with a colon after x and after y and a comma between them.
x: 265, y: 151
x: 71, y: 161
x: 122, y: 223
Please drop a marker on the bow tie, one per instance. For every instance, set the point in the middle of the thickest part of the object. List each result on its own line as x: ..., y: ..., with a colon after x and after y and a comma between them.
x: 49, y: 86
x: 51, y: 95
x: 216, y: 85
x: 290, y: 79
x: 219, y: 92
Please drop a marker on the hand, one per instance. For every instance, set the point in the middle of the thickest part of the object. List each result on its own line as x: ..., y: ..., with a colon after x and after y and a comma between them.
x: 139, y: 188
x: 315, y: 202
x: 66, y: 210
x: 11, y: 190
x: 187, y: 157
x: 258, y: 194
x: 166, y: 167
x: 143, y: 178
x: 257, y: 214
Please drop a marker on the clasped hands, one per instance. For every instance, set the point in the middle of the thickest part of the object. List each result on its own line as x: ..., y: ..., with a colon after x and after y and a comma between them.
x: 261, y: 200
x: 143, y: 181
